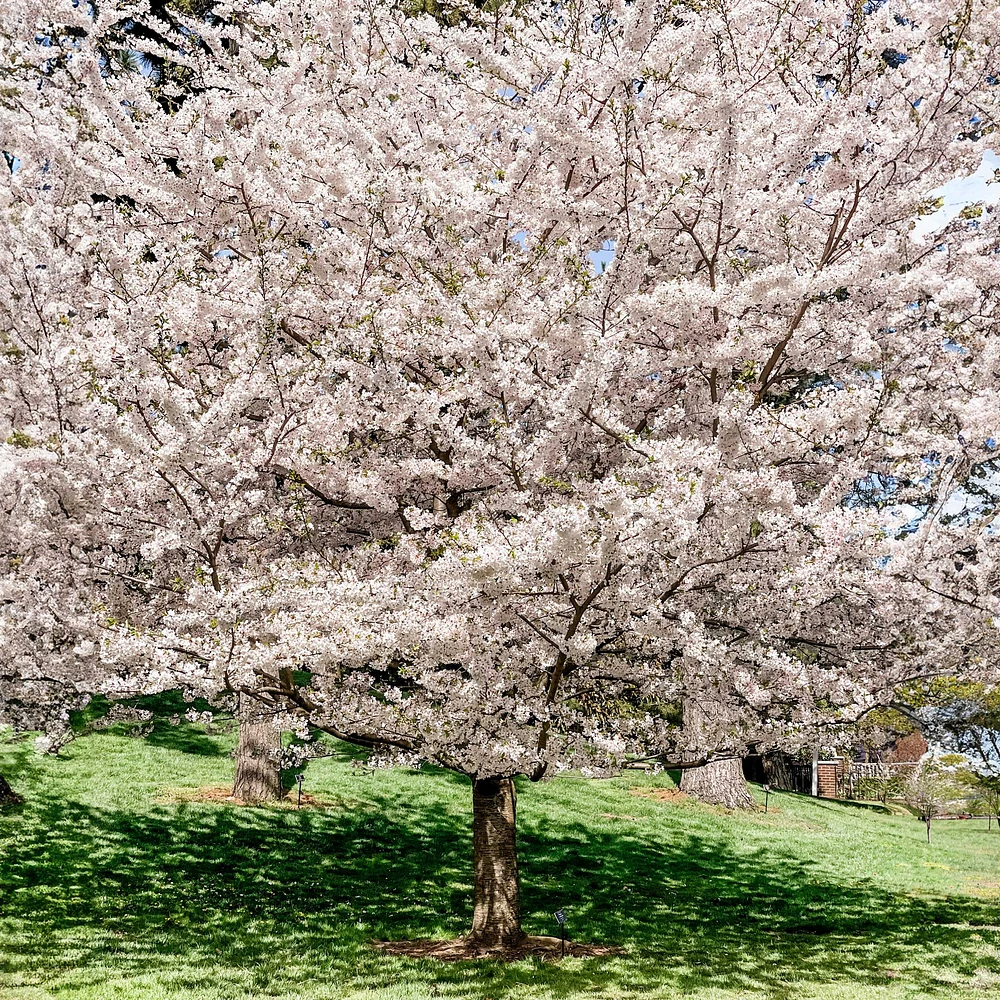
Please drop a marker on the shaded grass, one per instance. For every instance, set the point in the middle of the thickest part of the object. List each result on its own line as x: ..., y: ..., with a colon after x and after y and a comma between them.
x: 104, y: 892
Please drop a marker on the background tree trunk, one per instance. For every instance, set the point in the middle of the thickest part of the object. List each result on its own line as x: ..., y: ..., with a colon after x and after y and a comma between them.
x: 720, y: 783
x: 496, y: 917
x: 258, y: 778
x: 8, y: 797
x: 777, y: 772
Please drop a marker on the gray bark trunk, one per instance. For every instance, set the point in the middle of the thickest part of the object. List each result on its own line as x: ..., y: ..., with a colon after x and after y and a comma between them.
x: 258, y: 778
x: 720, y: 783
x: 8, y: 797
x: 496, y: 917
x: 777, y: 772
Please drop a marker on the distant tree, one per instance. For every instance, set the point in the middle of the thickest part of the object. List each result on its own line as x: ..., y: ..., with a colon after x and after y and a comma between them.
x: 933, y: 785
x: 985, y: 795
x: 964, y: 717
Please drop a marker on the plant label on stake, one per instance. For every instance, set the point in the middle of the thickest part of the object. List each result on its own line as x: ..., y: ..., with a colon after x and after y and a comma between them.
x: 560, y: 916
x: 299, y: 778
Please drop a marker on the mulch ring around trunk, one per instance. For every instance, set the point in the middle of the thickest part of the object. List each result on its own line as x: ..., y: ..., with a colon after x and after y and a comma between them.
x: 661, y: 794
x: 460, y: 950
x: 223, y: 794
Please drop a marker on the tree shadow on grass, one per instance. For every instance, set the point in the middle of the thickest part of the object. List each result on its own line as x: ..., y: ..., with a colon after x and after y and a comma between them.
x: 188, y: 888
x: 184, y: 737
x: 751, y: 921
x: 172, y: 731
x: 168, y: 727
x: 19, y: 764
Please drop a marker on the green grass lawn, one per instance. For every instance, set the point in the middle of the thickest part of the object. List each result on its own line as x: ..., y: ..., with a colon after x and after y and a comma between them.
x: 108, y: 890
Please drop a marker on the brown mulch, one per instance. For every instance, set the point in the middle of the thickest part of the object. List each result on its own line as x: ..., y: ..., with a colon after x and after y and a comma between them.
x: 223, y: 794
x: 661, y: 794
x: 459, y: 950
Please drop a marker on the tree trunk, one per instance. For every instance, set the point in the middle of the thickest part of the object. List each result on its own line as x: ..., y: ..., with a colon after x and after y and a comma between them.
x: 720, y: 783
x: 8, y: 797
x: 496, y: 917
x: 258, y: 778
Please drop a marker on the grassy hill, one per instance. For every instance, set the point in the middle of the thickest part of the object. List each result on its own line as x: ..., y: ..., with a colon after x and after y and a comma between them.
x: 115, y: 884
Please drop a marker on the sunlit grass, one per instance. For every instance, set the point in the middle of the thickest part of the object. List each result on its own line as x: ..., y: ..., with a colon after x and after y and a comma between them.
x: 112, y: 888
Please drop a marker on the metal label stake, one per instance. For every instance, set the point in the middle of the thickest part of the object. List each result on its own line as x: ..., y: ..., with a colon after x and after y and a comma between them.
x: 560, y: 916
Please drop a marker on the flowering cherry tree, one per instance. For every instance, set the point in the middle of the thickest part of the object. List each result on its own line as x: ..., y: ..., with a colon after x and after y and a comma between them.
x: 321, y: 382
